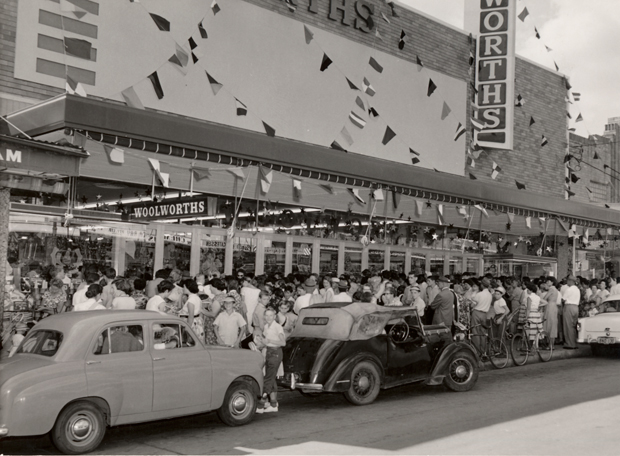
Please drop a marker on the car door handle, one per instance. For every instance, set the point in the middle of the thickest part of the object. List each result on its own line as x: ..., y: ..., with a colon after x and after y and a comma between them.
x: 93, y: 362
x: 158, y: 359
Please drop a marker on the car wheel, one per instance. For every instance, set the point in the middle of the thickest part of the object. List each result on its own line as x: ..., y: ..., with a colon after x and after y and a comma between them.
x: 239, y: 404
x: 365, y: 384
x: 462, y: 372
x: 79, y: 428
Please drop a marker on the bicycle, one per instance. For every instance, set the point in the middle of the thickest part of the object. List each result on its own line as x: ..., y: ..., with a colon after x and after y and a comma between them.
x: 493, y: 349
x: 520, y: 347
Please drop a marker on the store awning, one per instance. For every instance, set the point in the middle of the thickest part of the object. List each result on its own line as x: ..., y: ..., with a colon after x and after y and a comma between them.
x: 194, y: 139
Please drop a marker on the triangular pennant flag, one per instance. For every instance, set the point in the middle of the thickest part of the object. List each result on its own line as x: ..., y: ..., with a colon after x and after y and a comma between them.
x: 511, y: 217
x: 445, y: 111
x: 73, y: 87
x: 181, y: 55
x: 373, y: 112
x: 242, y: 109
x: 290, y: 5
x: 347, y: 136
x: 528, y: 222
x: 401, y: 42
x: 194, y: 58
x: 164, y: 178
x: 418, y: 62
x: 203, y: 32
x: 544, y: 141
x: 579, y: 118
x: 568, y: 115
x: 419, y: 207
x: 115, y: 154
x: 411, y: 151
x: 388, y: 136
x: 377, y: 194
x: 373, y: 63
x: 562, y: 224
x: 574, y: 178
x: 215, y: 7
x: 192, y: 43
x: 368, y: 89
x: 395, y: 199
x: 357, y: 120
x: 356, y: 194
x: 269, y: 130
x: 471, y: 58
x: 596, y: 156
x: 415, y: 160
x: 532, y: 121
x: 174, y: 59
x: 237, y: 172
x: 548, y: 48
x: 162, y: 23
x: 308, y: 34
x: 537, y: 34
x: 385, y: 18
x: 378, y: 35
x: 393, y: 7
x: 296, y: 188
x: 496, y: 171
x: 477, y: 124
x: 576, y: 96
x: 482, y: 209
x: 78, y: 48
x: 326, y: 62
x: 461, y: 210
x: 431, y: 88
x: 567, y: 84
x: 215, y: 86
x: 335, y: 145
x: 523, y: 14
x: 557, y: 68
x: 520, y: 186
x: 156, y: 85
x: 351, y: 85
x: 360, y: 103
x: 328, y: 188
x: 472, y: 177
x: 201, y: 173
x: 519, y: 101
x: 66, y: 6
x: 266, y: 177
x: 460, y: 130
x: 131, y: 98
x: 572, y: 130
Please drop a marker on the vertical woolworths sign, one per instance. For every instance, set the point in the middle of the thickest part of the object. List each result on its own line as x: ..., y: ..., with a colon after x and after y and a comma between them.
x: 494, y: 21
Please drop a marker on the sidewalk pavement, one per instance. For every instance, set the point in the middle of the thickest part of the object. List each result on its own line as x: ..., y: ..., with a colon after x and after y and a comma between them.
x: 558, y: 353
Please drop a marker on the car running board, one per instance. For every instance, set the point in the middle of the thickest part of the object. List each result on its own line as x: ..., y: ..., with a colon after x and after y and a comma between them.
x: 436, y: 380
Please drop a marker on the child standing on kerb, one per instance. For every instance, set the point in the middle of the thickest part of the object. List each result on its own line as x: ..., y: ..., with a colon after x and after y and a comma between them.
x: 272, y: 339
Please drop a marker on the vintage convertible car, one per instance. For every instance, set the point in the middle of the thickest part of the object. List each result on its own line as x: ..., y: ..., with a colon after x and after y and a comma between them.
x: 359, y: 348
x: 602, y: 331
x: 77, y: 373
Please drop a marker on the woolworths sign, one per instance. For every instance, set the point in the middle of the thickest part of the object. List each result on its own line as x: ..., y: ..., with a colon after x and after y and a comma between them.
x: 170, y: 209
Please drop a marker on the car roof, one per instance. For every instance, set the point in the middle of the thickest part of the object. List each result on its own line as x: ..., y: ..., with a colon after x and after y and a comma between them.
x: 615, y: 297
x: 67, y: 320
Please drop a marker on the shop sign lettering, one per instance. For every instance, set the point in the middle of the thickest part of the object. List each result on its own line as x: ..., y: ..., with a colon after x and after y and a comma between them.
x: 10, y: 155
x: 495, y: 73
x: 357, y: 14
x: 162, y: 210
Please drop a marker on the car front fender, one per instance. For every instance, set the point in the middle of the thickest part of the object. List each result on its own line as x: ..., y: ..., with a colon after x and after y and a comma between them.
x: 339, y: 379
x: 441, y: 362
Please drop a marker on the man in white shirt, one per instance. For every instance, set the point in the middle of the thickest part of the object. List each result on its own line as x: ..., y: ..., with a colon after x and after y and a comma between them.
x: 571, y: 297
x: 304, y: 300
x: 614, y: 286
x: 249, y: 293
x: 229, y: 326
x: 482, y: 304
x: 80, y: 296
x: 340, y: 291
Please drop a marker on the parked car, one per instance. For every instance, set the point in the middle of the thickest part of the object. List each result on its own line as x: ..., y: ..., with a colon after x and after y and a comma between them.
x: 77, y: 373
x: 359, y: 348
x: 602, y: 331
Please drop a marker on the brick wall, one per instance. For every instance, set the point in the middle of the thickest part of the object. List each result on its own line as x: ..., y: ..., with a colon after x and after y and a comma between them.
x: 596, y: 181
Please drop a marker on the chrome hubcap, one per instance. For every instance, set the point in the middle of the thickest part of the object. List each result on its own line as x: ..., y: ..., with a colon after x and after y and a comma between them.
x: 461, y: 372
x: 80, y: 428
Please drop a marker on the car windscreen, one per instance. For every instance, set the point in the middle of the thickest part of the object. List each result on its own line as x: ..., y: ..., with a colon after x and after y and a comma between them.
x: 41, y: 342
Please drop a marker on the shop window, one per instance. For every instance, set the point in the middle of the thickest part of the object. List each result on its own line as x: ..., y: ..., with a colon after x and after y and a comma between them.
x: 376, y: 260
x: 275, y: 255
x: 437, y: 265
x: 244, y: 254
x: 212, y: 254
x: 352, y: 260
x: 329, y: 259
x: 302, y: 257
x: 455, y: 265
x: 177, y: 251
x: 418, y: 264
x: 397, y: 261
x: 472, y: 265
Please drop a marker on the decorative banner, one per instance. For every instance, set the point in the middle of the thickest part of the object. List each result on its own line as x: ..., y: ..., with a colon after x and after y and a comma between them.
x: 495, y: 22
x: 163, y: 177
x: 418, y: 207
x: 131, y: 98
x: 528, y: 222
x: 203, y: 32
x: 73, y: 87
x: 162, y: 23
x: 78, y: 48
x: 368, y: 89
x: 296, y: 189
x: 309, y: 35
x: 460, y: 130
x: 326, y: 62
x: 355, y: 192
x: 378, y: 195
x: 375, y: 65
x: 237, y: 172
x: 388, y: 136
x: 156, y: 85
x: 115, y: 154
x: 266, y: 177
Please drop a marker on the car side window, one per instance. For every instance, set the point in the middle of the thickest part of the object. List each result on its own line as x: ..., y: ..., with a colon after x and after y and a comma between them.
x: 120, y: 339
x: 171, y: 336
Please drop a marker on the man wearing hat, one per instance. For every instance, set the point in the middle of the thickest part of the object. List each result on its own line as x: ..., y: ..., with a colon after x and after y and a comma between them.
x: 571, y: 297
x: 304, y: 300
x: 444, y: 303
x: 340, y: 287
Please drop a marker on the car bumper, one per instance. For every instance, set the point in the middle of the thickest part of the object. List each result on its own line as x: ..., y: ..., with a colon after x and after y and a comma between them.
x: 306, y: 387
x: 4, y: 432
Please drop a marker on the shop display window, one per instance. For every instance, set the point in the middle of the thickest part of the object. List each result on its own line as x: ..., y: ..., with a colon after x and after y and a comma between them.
x: 244, y: 254
x: 472, y: 265
x: 329, y: 259
x: 418, y: 263
x: 437, y: 265
x: 397, y: 261
x: 376, y: 260
x: 352, y: 260
x: 177, y: 251
x: 455, y: 265
x: 212, y: 254
x: 275, y: 255
x: 302, y: 257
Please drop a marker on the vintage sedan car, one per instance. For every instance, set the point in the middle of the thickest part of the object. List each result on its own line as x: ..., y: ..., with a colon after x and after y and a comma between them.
x: 359, y: 348
x: 77, y: 373
x: 602, y: 331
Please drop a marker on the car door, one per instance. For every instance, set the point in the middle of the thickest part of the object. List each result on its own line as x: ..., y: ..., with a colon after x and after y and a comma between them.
x: 181, y: 367
x: 119, y: 368
x: 409, y: 359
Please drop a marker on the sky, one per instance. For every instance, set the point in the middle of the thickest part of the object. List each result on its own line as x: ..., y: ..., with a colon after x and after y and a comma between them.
x: 584, y: 38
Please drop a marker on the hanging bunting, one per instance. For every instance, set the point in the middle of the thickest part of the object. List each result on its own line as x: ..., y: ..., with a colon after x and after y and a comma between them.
x: 537, y: 34
x: 385, y: 18
x: 156, y: 85
x: 460, y: 130
x: 290, y: 5
x: 68, y: 7
x: 215, y: 7
x: 414, y: 156
x: 326, y: 62
x: 496, y: 171
x: 75, y: 88
x: 576, y: 96
x: 418, y: 62
x: 520, y: 185
x: 203, y: 32
x: 388, y: 136
x: 215, y: 86
x: 297, y: 189
x: 461, y: 210
x: 194, y: 58
x: 574, y: 178
x: 548, y: 48
x: 523, y: 14
x: 472, y: 177
x: 375, y: 65
x: 237, y: 172
x: 368, y: 89
x: 351, y: 85
x: 164, y: 177
x: 395, y: 199
x: 511, y: 217
x: 356, y: 194
x: 596, y: 156
x: 557, y: 68
x: 377, y: 194
x: 266, y: 177
x: 242, y: 109
x: 201, y: 173
x: 528, y: 222
x: 378, y: 35
x: 519, y: 101
x: 77, y: 48
x: 131, y: 98
x: 418, y: 207
x: 308, y: 34
x: 357, y: 120
x: 360, y: 103
x: 393, y: 8
x: 328, y: 188
x: 335, y: 145
x: 478, y: 126
x: 544, y: 141
x: 482, y: 209
x: 431, y: 88
x: 162, y: 23
x: 445, y: 111
x: 269, y: 130
x: 579, y: 118
x: 532, y: 121
x: 401, y: 42
x: 115, y: 154
x: 347, y: 136
x: 373, y: 112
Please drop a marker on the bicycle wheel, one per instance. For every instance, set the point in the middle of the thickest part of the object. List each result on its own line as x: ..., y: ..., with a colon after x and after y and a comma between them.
x: 498, y: 352
x: 519, y: 349
x: 545, y: 350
